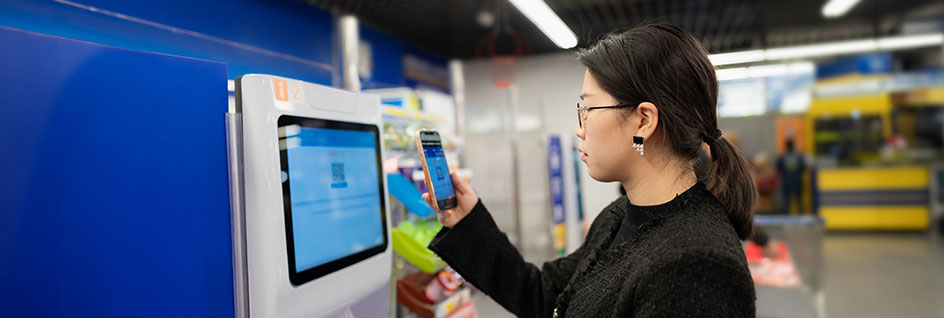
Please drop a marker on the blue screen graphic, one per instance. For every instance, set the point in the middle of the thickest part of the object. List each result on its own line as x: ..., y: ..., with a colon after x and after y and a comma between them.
x: 333, y: 179
x: 438, y: 171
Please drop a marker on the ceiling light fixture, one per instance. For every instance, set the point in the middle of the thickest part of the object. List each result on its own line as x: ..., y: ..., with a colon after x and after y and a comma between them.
x: 910, y: 41
x: 737, y: 57
x: 547, y: 21
x: 829, y: 49
x: 837, y: 8
x: 817, y: 50
x: 768, y: 70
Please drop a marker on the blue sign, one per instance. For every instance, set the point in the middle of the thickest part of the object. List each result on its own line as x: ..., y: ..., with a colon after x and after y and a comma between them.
x: 555, y: 169
x: 555, y: 166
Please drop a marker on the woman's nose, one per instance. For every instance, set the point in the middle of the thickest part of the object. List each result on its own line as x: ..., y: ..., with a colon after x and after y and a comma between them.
x: 579, y: 132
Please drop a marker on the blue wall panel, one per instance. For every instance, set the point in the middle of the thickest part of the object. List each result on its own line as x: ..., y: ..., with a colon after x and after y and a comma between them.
x: 386, y: 54
x: 284, y: 38
x: 389, y: 69
x: 113, y: 182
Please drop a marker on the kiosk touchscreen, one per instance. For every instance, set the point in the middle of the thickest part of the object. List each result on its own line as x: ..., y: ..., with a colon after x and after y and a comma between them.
x: 332, y: 191
x: 313, y: 226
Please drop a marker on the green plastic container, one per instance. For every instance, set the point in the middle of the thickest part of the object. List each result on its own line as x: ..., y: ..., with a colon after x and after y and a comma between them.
x: 410, y: 241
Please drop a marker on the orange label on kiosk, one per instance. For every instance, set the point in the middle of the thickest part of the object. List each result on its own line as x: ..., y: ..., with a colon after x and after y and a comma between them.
x: 281, y: 89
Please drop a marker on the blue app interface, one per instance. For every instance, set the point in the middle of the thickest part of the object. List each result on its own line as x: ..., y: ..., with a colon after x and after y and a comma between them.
x: 333, y: 177
x: 438, y: 170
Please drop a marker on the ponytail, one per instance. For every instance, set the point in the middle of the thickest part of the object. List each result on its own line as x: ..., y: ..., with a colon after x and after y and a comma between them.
x: 729, y: 178
x: 665, y: 65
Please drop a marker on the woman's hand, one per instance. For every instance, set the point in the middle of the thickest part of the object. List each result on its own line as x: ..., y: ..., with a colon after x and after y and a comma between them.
x: 465, y: 201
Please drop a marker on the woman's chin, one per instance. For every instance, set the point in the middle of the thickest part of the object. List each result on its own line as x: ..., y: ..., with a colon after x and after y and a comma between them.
x: 598, y: 176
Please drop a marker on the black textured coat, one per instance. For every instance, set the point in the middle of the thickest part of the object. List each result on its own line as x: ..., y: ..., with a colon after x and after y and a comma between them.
x: 684, y: 260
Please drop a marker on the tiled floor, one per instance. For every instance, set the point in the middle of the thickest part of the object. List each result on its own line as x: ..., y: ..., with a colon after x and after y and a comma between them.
x: 866, y: 275
x: 884, y: 275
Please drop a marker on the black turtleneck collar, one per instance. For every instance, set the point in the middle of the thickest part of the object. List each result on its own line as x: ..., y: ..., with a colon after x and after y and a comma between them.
x: 637, y: 215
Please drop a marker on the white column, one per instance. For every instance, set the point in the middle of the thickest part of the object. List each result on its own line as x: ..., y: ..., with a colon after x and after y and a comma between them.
x: 350, y: 39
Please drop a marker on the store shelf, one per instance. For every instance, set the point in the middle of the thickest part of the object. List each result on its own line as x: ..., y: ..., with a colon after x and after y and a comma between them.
x: 409, y: 114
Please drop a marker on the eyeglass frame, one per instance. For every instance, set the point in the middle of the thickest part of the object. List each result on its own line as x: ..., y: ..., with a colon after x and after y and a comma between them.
x: 588, y: 109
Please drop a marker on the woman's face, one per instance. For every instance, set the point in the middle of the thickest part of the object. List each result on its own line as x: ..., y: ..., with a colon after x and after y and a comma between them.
x: 607, y: 151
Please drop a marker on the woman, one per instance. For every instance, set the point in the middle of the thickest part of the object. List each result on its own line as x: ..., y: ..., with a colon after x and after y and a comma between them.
x: 669, y: 248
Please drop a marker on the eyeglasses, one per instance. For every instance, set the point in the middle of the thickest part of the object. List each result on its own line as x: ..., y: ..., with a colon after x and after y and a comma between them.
x: 583, y: 110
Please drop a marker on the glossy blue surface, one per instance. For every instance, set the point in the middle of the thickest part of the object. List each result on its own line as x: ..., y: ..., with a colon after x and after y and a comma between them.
x: 113, y: 182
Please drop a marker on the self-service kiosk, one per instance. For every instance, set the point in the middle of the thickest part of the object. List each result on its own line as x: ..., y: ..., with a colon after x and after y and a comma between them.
x: 310, y: 223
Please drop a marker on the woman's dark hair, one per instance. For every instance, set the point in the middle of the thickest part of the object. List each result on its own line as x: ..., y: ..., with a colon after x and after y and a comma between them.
x: 665, y: 65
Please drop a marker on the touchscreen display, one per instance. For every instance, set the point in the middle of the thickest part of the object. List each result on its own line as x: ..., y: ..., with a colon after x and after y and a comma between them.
x: 332, y: 193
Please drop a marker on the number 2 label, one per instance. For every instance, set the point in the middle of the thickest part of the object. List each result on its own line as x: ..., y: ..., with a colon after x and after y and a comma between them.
x: 287, y: 91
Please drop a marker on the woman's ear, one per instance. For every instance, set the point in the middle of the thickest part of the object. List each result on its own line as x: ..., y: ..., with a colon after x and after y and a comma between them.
x: 648, y: 119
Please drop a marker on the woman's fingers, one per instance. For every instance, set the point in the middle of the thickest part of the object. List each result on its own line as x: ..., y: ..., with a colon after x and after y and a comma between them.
x: 455, y: 183
x: 427, y: 198
x: 442, y: 218
x: 461, y: 186
x: 442, y: 213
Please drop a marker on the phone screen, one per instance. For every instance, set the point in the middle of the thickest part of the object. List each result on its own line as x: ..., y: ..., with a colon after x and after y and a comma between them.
x: 438, y: 169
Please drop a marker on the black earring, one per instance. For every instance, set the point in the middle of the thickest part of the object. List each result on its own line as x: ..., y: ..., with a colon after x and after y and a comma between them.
x: 637, y: 143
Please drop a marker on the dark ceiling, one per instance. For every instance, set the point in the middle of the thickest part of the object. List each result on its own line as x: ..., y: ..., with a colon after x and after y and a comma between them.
x: 451, y: 29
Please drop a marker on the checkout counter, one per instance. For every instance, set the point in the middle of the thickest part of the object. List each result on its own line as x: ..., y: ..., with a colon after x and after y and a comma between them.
x: 867, y: 179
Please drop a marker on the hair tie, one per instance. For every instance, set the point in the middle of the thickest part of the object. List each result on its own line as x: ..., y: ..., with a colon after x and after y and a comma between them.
x: 714, y: 137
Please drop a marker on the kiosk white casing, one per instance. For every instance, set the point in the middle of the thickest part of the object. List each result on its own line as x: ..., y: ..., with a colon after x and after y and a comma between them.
x: 260, y: 248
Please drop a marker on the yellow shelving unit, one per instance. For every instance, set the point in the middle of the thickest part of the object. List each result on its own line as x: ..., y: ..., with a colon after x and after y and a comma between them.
x: 868, y: 197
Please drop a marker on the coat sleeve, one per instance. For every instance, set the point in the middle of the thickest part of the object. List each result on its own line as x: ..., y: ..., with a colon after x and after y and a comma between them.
x: 482, y: 254
x: 695, y: 284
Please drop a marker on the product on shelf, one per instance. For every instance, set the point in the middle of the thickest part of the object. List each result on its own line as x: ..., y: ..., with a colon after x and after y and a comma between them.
x: 446, y: 283
x: 410, y: 240
x: 405, y: 191
x: 772, y: 265
x: 422, y: 231
x: 411, y: 294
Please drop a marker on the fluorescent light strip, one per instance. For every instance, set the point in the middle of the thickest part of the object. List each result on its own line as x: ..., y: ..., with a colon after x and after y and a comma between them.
x: 828, y: 49
x: 547, y: 21
x: 837, y: 8
x: 910, y: 41
x: 801, y: 68
x: 737, y: 57
x: 765, y: 71
x: 817, y: 50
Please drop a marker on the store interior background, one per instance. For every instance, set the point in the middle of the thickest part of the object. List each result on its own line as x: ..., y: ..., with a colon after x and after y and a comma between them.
x: 507, y: 88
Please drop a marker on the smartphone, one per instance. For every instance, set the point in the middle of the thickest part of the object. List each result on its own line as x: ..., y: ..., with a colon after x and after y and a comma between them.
x: 435, y: 168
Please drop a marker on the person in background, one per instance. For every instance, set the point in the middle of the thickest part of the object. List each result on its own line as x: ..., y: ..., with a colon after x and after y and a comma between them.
x: 791, y: 166
x: 765, y: 177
